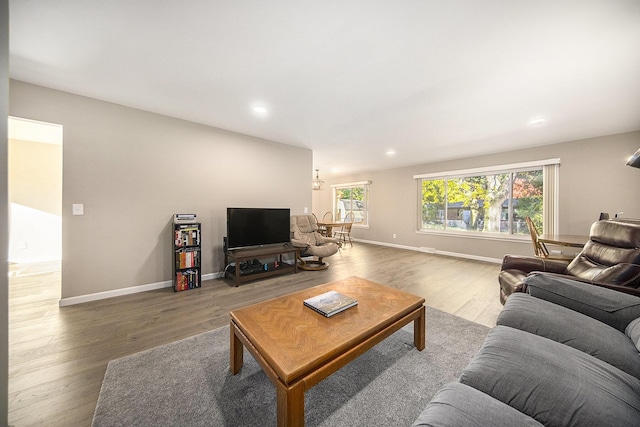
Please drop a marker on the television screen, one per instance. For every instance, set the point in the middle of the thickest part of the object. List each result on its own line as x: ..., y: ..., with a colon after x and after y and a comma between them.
x: 257, y: 226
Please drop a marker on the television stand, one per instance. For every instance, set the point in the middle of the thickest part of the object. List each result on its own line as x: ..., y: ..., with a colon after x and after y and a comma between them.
x: 274, y: 252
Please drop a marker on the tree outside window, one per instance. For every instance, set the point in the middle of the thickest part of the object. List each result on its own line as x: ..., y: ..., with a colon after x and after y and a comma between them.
x: 494, y: 203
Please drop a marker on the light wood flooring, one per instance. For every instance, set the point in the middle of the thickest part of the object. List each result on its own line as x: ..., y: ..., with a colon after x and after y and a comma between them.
x: 58, y: 356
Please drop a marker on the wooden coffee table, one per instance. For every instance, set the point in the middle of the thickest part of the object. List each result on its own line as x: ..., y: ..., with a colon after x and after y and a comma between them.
x: 298, y: 348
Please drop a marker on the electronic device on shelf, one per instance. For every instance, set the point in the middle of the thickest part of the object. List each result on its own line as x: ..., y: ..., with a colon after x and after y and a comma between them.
x: 250, y: 227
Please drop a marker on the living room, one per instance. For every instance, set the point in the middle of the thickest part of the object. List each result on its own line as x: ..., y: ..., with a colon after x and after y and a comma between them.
x: 133, y: 169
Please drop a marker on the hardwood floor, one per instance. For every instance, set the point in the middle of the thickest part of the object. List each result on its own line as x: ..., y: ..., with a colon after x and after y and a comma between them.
x: 58, y: 356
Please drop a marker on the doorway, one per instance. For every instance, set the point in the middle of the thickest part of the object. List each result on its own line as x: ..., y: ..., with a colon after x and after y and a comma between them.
x: 35, y: 196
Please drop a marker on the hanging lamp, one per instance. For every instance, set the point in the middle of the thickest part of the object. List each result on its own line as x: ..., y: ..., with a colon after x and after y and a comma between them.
x: 316, y: 184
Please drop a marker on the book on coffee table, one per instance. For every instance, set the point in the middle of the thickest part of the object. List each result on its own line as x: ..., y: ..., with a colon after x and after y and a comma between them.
x: 330, y: 303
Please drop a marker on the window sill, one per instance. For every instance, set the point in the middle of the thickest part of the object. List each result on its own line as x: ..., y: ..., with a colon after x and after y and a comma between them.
x: 477, y: 235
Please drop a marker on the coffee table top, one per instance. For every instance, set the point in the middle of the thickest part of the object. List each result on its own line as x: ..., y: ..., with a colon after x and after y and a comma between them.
x: 295, y: 340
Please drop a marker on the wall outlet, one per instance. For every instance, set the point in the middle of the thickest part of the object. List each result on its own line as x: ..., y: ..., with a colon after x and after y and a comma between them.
x: 22, y: 246
x: 77, y: 209
x: 394, y: 235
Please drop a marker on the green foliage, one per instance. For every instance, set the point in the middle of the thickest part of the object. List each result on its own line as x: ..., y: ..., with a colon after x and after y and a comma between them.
x: 483, y: 197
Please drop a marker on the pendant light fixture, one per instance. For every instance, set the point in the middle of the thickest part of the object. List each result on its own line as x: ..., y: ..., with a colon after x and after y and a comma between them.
x: 316, y: 184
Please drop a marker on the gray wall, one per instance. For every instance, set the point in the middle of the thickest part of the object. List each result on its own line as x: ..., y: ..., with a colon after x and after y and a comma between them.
x: 133, y: 170
x: 593, y: 179
x: 4, y: 229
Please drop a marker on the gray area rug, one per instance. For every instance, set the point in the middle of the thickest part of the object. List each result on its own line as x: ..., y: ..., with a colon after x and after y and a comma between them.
x: 188, y: 383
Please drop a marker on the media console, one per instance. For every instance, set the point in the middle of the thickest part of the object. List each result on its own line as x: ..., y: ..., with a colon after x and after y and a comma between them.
x: 275, y: 252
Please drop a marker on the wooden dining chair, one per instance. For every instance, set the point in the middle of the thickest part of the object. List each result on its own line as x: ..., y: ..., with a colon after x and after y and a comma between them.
x: 539, y: 248
x: 344, y: 234
x: 322, y: 229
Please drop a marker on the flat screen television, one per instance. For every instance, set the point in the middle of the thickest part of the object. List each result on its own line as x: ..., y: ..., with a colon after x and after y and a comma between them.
x: 257, y: 227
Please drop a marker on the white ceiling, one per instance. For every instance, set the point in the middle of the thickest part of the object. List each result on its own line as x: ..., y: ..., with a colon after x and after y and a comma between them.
x: 430, y: 79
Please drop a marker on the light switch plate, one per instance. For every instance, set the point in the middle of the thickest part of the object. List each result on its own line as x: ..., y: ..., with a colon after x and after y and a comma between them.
x: 78, y: 209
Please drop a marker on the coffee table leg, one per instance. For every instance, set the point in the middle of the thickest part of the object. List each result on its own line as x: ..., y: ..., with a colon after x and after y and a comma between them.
x: 290, y: 411
x: 419, y: 329
x: 236, y: 350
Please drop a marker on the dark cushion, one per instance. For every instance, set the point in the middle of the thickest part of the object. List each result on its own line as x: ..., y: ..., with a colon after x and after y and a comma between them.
x: 459, y: 405
x: 612, y: 254
x: 616, y: 309
x: 560, y: 324
x: 510, y: 281
x: 515, y: 269
x: 551, y: 382
x: 633, y: 332
x: 527, y: 264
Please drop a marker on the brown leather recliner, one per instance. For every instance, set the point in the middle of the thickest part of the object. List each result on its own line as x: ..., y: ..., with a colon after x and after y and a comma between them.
x: 611, y: 258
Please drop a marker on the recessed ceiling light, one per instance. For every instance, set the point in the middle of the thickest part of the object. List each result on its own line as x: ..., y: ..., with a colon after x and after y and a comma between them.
x: 537, y: 121
x: 259, y: 109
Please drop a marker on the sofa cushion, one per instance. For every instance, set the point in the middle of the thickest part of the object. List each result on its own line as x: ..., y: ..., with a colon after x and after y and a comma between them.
x: 633, y: 332
x: 560, y: 324
x: 456, y: 404
x: 551, y: 382
x: 615, y: 308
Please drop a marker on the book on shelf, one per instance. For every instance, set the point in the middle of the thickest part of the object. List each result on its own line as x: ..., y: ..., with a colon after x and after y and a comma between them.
x: 187, y: 236
x: 330, y: 303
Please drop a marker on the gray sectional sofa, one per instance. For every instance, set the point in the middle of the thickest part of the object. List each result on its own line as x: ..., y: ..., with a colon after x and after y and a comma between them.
x: 564, y: 354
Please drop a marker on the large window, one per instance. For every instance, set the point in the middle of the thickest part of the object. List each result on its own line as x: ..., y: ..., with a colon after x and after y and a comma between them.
x: 351, y: 198
x: 490, y: 200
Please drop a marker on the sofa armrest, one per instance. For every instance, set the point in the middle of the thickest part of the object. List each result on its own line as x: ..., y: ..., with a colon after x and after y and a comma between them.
x: 528, y: 264
x: 614, y: 308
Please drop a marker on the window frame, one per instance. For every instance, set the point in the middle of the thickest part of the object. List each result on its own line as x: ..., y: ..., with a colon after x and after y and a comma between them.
x: 550, y: 173
x: 365, y: 185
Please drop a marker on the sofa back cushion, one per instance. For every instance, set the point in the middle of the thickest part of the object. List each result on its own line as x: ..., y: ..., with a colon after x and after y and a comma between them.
x: 556, y: 384
x: 612, y: 254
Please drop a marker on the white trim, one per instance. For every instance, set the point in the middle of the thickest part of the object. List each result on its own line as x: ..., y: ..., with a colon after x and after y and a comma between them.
x: 480, y: 235
x: 481, y: 170
x: 551, y: 201
x: 432, y: 251
x: 127, y: 291
x: 350, y: 184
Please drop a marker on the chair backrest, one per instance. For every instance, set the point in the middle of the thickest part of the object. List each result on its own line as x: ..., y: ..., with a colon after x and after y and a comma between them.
x: 349, y: 217
x: 612, y: 254
x: 539, y: 249
x: 305, y: 228
x: 328, y: 217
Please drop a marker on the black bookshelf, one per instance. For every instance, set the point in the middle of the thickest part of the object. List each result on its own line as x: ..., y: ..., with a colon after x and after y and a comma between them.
x: 187, y: 252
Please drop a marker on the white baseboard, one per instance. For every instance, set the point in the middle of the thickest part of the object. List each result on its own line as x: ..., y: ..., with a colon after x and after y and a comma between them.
x: 167, y: 284
x: 126, y: 291
x: 432, y: 251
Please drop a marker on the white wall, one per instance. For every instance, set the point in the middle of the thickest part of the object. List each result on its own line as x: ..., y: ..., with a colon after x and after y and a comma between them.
x: 133, y: 170
x: 35, y: 191
x: 34, y: 235
x: 593, y: 179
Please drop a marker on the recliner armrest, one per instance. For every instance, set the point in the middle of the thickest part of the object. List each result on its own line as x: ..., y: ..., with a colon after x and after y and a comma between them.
x: 330, y: 240
x: 528, y: 264
x: 614, y: 308
x: 299, y: 243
